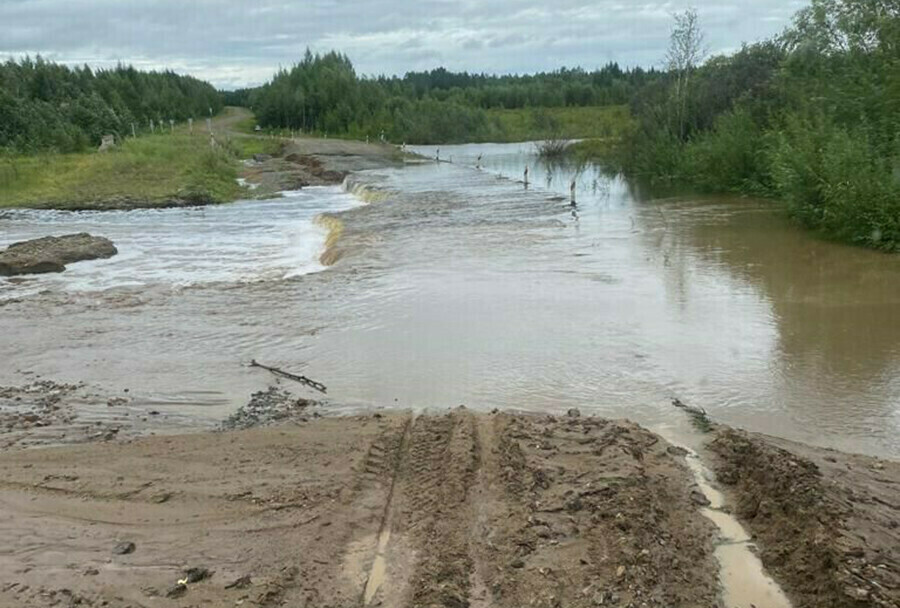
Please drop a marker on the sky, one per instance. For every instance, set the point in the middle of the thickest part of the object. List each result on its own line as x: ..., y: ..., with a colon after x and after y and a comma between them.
x: 234, y: 44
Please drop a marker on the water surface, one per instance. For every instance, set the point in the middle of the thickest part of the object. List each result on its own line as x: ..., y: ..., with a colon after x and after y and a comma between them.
x: 461, y: 286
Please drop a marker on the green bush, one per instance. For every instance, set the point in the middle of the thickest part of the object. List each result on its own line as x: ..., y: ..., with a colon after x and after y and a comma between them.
x: 834, y: 179
x: 731, y: 156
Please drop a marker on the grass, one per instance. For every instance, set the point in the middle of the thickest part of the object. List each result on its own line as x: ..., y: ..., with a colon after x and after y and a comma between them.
x: 245, y: 147
x: 598, y: 150
x: 525, y: 124
x: 152, y: 169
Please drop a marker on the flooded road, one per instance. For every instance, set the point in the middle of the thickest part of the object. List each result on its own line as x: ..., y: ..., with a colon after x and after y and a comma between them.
x: 460, y: 286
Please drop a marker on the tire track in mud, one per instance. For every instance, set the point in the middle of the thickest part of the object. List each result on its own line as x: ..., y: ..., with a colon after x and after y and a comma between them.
x: 422, y: 555
x: 511, y: 510
x: 595, y: 512
x: 445, y: 565
x: 376, y: 462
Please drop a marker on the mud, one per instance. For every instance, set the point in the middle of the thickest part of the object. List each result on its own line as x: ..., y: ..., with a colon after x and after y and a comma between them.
x: 43, y: 412
x: 455, y: 509
x: 437, y: 510
x: 271, y: 406
x: 303, y: 162
x: 826, y: 524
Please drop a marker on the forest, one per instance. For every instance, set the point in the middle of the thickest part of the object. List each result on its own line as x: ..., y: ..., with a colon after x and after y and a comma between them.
x: 323, y: 94
x: 811, y: 117
x: 45, y: 106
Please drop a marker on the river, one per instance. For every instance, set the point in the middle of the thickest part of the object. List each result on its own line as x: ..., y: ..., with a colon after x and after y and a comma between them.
x: 457, y: 285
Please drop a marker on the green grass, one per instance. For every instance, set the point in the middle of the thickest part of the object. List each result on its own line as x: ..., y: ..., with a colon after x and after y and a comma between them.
x: 245, y: 147
x: 598, y: 150
x: 607, y: 122
x: 152, y: 169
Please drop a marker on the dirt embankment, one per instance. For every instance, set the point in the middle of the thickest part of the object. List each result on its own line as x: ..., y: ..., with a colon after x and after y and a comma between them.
x: 449, y: 510
x: 287, y: 508
x: 827, y: 524
x: 316, y: 162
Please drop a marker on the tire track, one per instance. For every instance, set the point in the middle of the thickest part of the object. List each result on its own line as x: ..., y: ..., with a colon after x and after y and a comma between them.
x: 422, y: 549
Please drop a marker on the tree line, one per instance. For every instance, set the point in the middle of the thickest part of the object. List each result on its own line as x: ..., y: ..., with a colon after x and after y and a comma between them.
x: 811, y: 117
x: 48, y: 106
x: 323, y: 93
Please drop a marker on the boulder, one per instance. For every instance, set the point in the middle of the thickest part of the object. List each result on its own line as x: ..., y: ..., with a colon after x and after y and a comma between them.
x: 107, y: 142
x: 52, y: 253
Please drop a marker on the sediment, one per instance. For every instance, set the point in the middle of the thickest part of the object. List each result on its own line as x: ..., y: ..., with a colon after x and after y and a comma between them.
x: 452, y: 509
x: 826, y: 524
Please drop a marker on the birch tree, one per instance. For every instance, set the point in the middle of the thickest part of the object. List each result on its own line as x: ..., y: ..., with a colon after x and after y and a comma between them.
x: 686, y: 52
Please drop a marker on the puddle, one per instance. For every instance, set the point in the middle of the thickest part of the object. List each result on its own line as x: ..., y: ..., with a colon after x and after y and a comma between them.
x: 744, y: 581
x: 379, y: 566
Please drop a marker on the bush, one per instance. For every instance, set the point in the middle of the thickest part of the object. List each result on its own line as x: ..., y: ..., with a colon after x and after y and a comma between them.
x: 834, y: 179
x: 731, y: 156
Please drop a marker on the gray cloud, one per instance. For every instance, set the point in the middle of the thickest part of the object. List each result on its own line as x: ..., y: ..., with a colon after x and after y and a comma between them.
x: 235, y: 43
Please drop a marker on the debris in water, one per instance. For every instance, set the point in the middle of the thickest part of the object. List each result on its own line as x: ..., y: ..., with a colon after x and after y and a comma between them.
x: 698, y: 415
x: 296, y: 377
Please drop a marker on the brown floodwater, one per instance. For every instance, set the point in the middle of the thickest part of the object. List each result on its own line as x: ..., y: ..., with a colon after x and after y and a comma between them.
x: 460, y: 286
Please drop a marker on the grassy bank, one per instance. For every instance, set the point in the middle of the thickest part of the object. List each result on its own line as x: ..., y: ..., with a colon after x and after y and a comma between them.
x: 153, y: 170
x: 603, y: 122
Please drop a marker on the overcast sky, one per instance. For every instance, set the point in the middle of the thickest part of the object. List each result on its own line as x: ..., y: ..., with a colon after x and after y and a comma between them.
x: 234, y: 44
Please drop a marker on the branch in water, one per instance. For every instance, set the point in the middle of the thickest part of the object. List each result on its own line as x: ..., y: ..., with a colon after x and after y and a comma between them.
x: 296, y: 377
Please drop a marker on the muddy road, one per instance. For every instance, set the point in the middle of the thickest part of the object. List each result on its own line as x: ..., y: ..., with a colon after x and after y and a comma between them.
x: 443, y: 510
x: 455, y: 509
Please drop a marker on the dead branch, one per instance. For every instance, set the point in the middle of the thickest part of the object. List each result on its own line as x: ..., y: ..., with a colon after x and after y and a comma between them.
x: 295, y: 377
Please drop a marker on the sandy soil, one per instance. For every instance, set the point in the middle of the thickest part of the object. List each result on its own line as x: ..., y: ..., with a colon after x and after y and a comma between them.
x: 438, y: 510
x: 288, y: 508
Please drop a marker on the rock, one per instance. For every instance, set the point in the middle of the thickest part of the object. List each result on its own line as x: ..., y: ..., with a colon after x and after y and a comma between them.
x: 195, y: 575
x: 698, y: 498
x: 52, y: 253
x: 518, y: 563
x: 162, y: 497
x: 573, y: 413
x: 240, y: 583
x: 91, y: 572
x: 620, y: 571
x: 176, y: 590
x: 261, y: 158
x: 124, y: 548
x: 107, y: 142
x: 675, y: 450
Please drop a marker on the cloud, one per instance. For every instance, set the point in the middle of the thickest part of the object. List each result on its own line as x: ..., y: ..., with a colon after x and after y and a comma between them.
x: 234, y: 43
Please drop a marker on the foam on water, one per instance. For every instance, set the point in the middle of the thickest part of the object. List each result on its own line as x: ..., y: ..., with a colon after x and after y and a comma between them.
x: 239, y: 242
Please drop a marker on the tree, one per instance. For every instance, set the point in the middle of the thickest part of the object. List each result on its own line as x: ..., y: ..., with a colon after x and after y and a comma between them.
x: 686, y: 52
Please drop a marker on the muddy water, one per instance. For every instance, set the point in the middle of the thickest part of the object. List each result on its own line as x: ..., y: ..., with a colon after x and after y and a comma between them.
x: 459, y: 286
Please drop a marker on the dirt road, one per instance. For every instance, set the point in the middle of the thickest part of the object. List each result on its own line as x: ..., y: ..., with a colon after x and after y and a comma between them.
x: 438, y: 510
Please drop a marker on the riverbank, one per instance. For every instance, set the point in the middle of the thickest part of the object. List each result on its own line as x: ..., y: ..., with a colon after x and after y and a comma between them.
x: 446, y: 509
x: 181, y: 168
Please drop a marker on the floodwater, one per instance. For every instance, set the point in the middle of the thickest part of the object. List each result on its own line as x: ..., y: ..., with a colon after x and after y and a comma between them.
x: 461, y: 286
